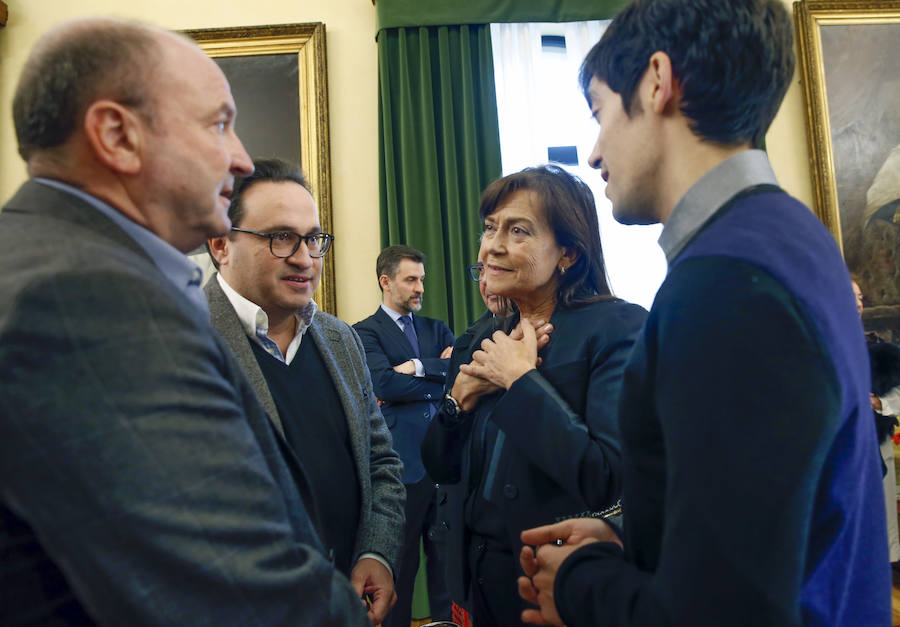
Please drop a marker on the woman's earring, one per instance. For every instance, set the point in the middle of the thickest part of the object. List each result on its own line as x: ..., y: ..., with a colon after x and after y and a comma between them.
x: 562, y: 270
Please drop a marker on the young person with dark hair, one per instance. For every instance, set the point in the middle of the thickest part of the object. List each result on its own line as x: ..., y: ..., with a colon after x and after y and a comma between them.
x: 752, y: 490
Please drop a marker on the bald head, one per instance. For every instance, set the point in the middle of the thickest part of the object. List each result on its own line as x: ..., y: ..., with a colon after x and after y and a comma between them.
x: 138, y: 117
x: 76, y: 64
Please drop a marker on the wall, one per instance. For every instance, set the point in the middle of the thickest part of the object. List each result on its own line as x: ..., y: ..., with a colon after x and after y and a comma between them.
x: 352, y: 93
x: 352, y: 89
x: 786, y: 141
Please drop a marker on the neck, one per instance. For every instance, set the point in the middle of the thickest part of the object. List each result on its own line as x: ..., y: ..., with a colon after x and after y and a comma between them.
x: 76, y: 167
x: 694, y: 158
x: 538, y: 309
x: 126, y: 194
x: 282, y: 330
x: 394, y: 309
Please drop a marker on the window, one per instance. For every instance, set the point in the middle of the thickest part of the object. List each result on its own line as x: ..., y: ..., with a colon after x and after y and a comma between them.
x: 543, y: 116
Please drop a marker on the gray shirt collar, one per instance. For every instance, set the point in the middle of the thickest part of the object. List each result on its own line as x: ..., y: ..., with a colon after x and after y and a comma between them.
x: 704, y: 198
x: 177, y: 268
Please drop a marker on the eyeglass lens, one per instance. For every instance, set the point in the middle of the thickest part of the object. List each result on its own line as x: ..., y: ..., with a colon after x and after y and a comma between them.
x: 286, y: 244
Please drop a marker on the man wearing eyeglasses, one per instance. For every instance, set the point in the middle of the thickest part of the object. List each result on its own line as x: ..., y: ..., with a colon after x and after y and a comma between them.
x: 308, y: 368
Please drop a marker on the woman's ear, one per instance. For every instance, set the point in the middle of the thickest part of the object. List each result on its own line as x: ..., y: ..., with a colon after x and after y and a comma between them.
x: 569, y: 258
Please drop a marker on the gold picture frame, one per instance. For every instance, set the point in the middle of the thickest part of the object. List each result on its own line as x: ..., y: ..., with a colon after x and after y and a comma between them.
x: 851, y: 84
x: 252, y: 51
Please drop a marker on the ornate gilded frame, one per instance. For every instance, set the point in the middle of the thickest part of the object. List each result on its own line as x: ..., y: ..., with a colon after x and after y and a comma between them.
x: 810, y: 18
x: 810, y: 15
x: 307, y: 42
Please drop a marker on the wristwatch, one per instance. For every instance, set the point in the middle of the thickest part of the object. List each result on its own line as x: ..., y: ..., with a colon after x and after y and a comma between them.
x: 450, y: 407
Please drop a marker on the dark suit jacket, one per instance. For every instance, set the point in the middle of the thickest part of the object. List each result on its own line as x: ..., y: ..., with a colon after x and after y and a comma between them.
x: 138, y: 472
x: 378, y: 467
x: 407, y: 399
x: 557, y: 453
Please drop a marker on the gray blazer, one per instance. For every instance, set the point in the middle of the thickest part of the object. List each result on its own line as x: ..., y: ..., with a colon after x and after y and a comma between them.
x: 140, y: 479
x: 382, y: 494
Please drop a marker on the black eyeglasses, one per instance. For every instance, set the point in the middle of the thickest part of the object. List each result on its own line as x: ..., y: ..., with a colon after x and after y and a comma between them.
x: 283, y: 244
x: 476, y: 271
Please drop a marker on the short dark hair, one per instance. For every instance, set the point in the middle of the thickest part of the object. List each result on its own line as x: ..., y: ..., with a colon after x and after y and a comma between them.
x: 73, y: 68
x: 568, y: 204
x: 389, y: 260
x: 734, y: 60
x: 272, y: 170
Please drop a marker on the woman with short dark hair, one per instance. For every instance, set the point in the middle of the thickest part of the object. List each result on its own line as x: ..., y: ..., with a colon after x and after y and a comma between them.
x: 528, y: 432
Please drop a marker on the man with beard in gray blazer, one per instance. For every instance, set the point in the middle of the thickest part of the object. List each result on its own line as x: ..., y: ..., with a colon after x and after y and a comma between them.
x: 309, y: 370
x: 141, y: 482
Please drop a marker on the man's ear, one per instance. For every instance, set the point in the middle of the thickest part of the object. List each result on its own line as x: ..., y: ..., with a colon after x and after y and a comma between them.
x: 385, y: 282
x: 218, y: 248
x: 115, y: 134
x: 663, y: 89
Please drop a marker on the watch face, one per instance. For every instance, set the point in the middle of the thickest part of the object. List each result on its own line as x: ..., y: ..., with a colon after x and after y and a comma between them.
x: 450, y: 406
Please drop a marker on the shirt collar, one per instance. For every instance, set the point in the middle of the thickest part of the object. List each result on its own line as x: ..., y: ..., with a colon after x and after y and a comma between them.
x: 175, y: 265
x: 254, y: 319
x: 395, y: 316
x: 705, y: 197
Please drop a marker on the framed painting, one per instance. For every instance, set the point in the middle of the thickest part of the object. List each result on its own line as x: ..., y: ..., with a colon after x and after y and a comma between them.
x: 851, y: 81
x: 278, y: 79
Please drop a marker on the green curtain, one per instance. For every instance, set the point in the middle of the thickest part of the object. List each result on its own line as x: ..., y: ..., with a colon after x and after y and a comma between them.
x: 439, y: 147
x: 395, y: 13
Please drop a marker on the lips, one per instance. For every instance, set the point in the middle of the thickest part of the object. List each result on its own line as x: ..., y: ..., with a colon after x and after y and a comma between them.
x: 297, y: 280
x: 225, y: 195
x: 604, y: 174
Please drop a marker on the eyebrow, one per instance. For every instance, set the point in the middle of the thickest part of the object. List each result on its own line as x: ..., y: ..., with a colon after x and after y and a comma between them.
x: 282, y: 228
x: 229, y: 111
x: 515, y: 220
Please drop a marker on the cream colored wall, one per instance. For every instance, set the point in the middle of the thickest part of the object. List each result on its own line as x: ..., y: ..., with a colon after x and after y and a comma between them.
x: 786, y: 140
x: 352, y: 94
x: 352, y: 90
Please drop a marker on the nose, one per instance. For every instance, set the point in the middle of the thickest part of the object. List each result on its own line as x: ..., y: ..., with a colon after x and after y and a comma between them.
x: 420, y: 287
x: 492, y: 245
x: 241, y: 163
x: 301, y: 257
x: 595, y: 160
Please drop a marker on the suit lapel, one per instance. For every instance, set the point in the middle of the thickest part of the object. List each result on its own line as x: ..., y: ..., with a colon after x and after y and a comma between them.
x: 393, y: 330
x: 226, y: 322
x: 339, y: 366
x: 426, y: 338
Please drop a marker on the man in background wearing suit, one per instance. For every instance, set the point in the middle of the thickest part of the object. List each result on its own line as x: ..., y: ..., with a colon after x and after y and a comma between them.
x: 408, y: 356
x: 141, y: 482
x: 309, y: 370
